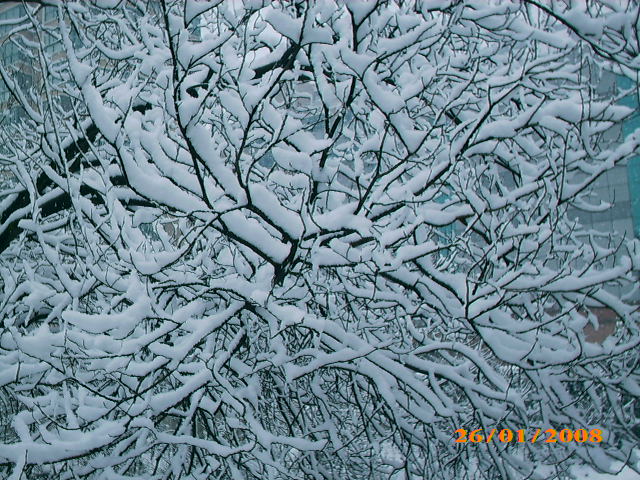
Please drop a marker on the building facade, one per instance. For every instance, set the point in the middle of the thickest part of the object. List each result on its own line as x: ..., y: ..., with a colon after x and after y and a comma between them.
x: 619, y: 187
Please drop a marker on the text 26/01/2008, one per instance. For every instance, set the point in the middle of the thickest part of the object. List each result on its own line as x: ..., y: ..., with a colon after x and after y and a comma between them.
x: 550, y: 435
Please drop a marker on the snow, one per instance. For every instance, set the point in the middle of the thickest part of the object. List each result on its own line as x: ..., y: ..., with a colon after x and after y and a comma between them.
x: 82, y: 443
x: 121, y: 322
x: 583, y: 22
x: 214, y: 159
x: 292, y: 160
x: 233, y: 103
x: 384, y: 98
x: 586, y: 473
x: 162, y: 401
x: 284, y: 24
x: 340, y: 218
x: 369, y: 244
x: 252, y: 232
x: 194, y: 8
x: 268, y: 203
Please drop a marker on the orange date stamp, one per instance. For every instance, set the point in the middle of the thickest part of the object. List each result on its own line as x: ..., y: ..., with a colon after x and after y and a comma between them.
x: 550, y: 435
